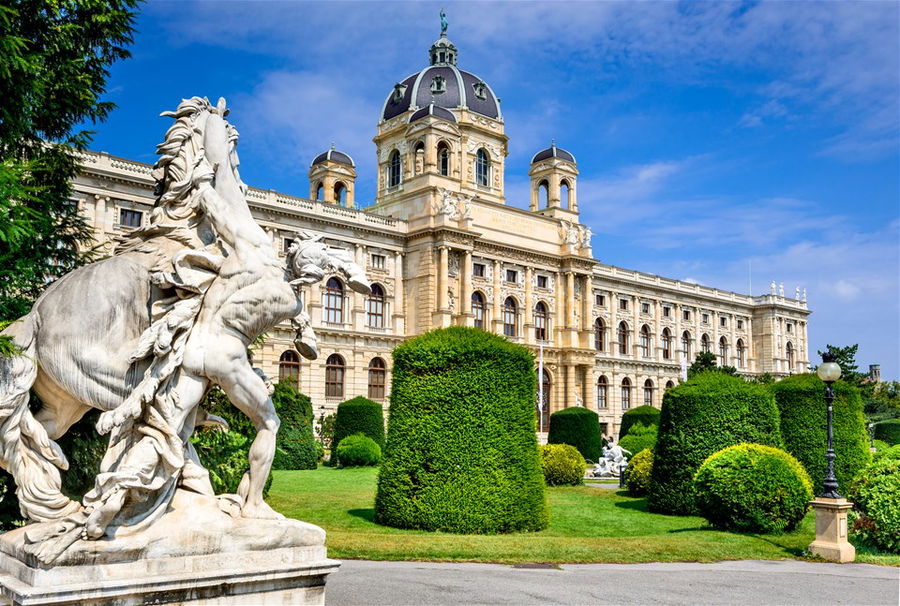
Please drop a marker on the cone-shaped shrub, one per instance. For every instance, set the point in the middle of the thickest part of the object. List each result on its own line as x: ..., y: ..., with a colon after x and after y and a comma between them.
x: 708, y: 413
x: 801, y: 403
x: 296, y: 444
x: 578, y: 427
x: 642, y: 414
x: 359, y: 415
x: 637, y: 474
x: 461, y: 453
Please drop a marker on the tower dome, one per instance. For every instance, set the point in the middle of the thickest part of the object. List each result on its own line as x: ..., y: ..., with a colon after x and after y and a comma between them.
x: 333, y: 155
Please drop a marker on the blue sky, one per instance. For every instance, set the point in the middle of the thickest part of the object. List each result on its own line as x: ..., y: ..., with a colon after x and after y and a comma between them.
x: 709, y: 136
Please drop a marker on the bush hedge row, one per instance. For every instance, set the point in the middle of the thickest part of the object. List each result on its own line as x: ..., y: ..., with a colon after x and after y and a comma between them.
x: 647, y: 415
x: 578, y: 427
x: 637, y: 474
x: 888, y: 431
x: 562, y: 465
x: 461, y: 453
x: 801, y: 404
x: 296, y: 445
x: 709, y: 412
x: 359, y: 415
x: 876, y: 494
x: 639, y: 437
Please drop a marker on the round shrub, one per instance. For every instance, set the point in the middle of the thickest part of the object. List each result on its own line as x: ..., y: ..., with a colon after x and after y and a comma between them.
x: 637, y: 474
x: 578, y: 427
x: 888, y: 431
x: 639, y: 437
x: 753, y: 488
x: 562, y: 465
x: 642, y: 414
x: 801, y: 403
x: 709, y: 412
x: 359, y: 415
x: 296, y: 444
x: 461, y: 452
x: 358, y: 451
x: 876, y: 494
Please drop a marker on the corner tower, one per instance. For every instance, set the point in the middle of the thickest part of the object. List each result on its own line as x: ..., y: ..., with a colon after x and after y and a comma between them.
x: 332, y: 178
x: 553, y: 174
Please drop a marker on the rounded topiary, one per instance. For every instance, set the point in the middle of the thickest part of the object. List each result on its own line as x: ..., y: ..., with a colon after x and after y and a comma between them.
x: 888, y: 431
x: 876, y: 494
x: 562, y: 465
x: 753, y: 488
x: 642, y: 414
x: 358, y: 450
x: 639, y: 437
x: 578, y: 427
x: 801, y: 403
x: 359, y: 415
x: 461, y: 452
x: 296, y: 444
x: 637, y: 474
x: 704, y: 415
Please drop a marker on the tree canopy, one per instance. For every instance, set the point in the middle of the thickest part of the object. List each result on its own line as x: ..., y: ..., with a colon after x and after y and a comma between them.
x: 706, y: 361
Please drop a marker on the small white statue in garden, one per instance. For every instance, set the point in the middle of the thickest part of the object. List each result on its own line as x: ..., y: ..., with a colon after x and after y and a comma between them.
x: 613, y: 461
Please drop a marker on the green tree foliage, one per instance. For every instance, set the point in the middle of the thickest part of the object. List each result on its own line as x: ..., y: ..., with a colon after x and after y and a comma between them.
x: 562, y: 465
x: 708, y: 413
x: 637, y: 474
x: 888, y: 431
x: 845, y: 357
x: 639, y: 437
x: 296, y: 448
x: 645, y: 414
x: 578, y: 427
x: 359, y: 415
x: 54, y: 62
x: 801, y: 403
x: 358, y: 451
x: 461, y: 452
x: 753, y: 488
x: 876, y: 494
x: 882, y: 401
x: 706, y: 362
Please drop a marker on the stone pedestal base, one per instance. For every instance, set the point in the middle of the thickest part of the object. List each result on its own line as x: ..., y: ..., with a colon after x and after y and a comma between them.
x: 831, y: 530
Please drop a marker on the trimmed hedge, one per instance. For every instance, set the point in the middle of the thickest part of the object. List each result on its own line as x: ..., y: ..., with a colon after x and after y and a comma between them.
x: 461, y: 452
x: 358, y: 450
x: 704, y: 415
x: 578, y: 427
x: 642, y: 414
x: 639, y: 437
x: 359, y: 415
x: 876, y: 493
x: 888, y: 431
x: 637, y: 474
x: 296, y: 446
x: 562, y: 465
x: 801, y: 402
x: 753, y: 488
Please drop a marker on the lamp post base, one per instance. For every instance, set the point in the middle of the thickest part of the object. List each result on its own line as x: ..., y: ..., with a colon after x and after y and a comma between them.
x: 831, y: 530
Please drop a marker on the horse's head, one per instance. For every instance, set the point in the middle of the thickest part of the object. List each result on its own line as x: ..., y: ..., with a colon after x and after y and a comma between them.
x: 309, y: 258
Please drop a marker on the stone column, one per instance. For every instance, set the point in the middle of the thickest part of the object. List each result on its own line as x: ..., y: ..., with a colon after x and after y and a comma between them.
x: 587, y: 305
x: 529, y: 307
x: 430, y: 153
x: 496, y: 319
x: 570, y: 312
x: 442, y: 281
x: 570, y: 385
x: 465, y: 289
x: 559, y: 324
x: 399, y: 299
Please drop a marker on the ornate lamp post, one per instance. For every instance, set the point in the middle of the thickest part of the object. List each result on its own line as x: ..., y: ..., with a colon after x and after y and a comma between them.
x: 831, y: 508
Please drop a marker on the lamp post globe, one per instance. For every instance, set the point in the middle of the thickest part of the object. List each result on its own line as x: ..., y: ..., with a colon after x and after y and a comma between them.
x: 829, y: 372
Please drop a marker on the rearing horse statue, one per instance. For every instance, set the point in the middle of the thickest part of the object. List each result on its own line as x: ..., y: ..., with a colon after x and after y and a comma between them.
x: 143, y: 336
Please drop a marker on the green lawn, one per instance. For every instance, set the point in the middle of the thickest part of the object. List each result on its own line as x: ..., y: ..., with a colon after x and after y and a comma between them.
x: 587, y: 524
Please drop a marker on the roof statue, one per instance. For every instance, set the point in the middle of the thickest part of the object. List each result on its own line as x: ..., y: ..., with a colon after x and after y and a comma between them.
x: 443, y: 23
x: 142, y: 336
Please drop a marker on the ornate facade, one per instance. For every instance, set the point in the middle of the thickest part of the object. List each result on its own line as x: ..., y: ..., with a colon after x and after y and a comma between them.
x: 443, y: 248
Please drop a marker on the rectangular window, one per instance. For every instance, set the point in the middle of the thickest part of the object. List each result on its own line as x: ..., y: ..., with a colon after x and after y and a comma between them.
x: 704, y: 318
x: 740, y: 324
x: 723, y: 321
x: 790, y: 327
x: 512, y: 275
x: 378, y: 261
x: 478, y: 270
x: 542, y: 281
x: 130, y: 218
x: 334, y: 382
x: 375, y: 311
x: 286, y: 245
x: 667, y: 312
x: 601, y: 300
x: 645, y: 308
x: 623, y: 304
x: 685, y: 315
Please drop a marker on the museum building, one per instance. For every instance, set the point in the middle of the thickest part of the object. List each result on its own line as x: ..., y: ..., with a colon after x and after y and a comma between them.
x: 442, y: 248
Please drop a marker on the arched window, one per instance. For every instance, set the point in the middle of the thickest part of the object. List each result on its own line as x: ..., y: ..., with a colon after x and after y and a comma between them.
x: 320, y: 189
x: 420, y: 158
x: 648, y: 393
x: 443, y: 157
x: 334, y: 376
x: 540, y: 322
x: 704, y: 343
x: 741, y: 353
x: 623, y: 338
x: 564, y: 193
x: 723, y: 351
x: 478, y: 309
x: 599, y: 335
x: 543, y: 413
x: 626, y: 393
x: 394, y: 169
x: 543, y: 194
x: 334, y: 301
x: 602, y: 392
x: 686, y: 345
x: 666, y: 344
x: 289, y: 368
x: 510, y: 317
x: 645, y: 341
x: 789, y: 350
x: 482, y: 168
x: 377, y: 375
x: 375, y: 307
x: 339, y: 190
x: 670, y: 384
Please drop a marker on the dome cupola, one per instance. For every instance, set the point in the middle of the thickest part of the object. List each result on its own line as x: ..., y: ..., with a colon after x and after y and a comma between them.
x: 332, y: 178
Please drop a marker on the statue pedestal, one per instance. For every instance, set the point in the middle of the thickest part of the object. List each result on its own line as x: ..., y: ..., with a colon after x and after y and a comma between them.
x: 831, y: 530
x: 194, y: 554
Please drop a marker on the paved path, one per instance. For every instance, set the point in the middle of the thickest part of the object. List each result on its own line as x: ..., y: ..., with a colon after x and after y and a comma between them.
x: 745, y: 582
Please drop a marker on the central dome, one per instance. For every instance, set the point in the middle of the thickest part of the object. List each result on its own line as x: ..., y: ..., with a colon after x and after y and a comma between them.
x: 443, y: 84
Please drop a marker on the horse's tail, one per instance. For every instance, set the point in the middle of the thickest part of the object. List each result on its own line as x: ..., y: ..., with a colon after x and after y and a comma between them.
x: 26, y: 451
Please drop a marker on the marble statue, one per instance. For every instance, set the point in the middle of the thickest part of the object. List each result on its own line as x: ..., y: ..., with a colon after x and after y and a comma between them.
x: 143, y: 335
x: 569, y: 232
x: 613, y: 461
